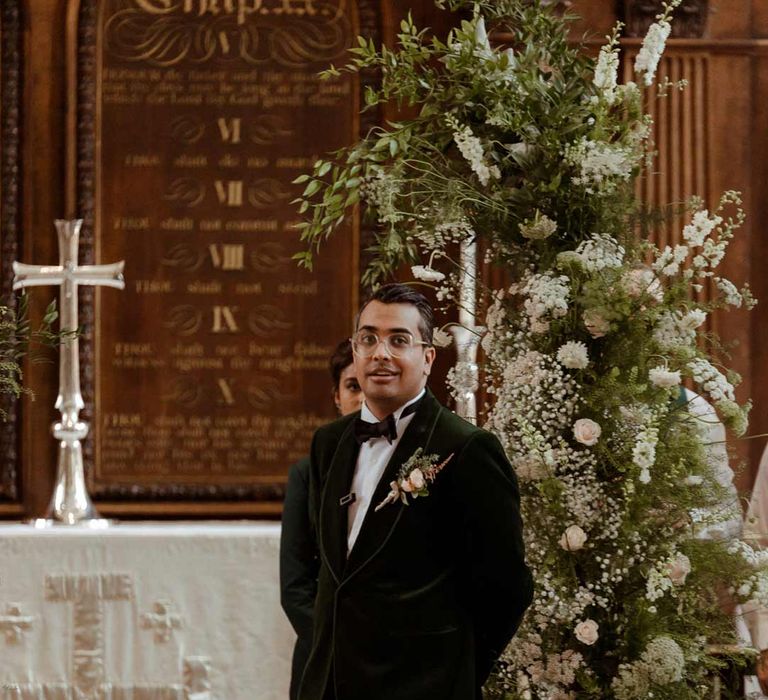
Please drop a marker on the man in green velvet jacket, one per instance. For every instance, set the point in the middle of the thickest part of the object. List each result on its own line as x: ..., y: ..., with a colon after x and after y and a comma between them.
x: 417, y: 597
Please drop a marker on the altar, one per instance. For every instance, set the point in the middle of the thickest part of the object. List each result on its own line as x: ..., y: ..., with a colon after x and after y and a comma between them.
x: 143, y: 611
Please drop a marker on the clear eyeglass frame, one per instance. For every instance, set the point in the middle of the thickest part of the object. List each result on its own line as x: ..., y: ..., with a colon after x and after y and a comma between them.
x: 366, y: 343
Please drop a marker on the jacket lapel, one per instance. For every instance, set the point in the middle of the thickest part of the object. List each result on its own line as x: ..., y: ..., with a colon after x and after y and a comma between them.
x: 378, y: 525
x: 333, y: 516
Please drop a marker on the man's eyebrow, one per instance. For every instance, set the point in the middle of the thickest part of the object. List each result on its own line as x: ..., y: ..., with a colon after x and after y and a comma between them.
x: 389, y: 330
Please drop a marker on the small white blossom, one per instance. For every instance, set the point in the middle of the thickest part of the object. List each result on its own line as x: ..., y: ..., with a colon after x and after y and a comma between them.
x: 441, y: 339
x: 731, y: 295
x: 600, y: 252
x: 426, y: 273
x: 669, y: 260
x: 700, y: 227
x: 606, y: 72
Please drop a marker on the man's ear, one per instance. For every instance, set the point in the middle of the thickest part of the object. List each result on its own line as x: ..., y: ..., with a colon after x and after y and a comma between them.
x: 429, y: 358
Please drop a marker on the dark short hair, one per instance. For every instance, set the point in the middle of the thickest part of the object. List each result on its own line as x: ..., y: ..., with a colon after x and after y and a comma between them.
x: 403, y: 294
x: 340, y: 360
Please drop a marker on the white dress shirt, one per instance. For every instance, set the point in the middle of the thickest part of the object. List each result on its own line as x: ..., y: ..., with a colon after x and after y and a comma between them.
x: 371, y: 462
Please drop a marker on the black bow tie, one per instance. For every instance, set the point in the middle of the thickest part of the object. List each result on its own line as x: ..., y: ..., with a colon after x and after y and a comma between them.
x: 384, y: 428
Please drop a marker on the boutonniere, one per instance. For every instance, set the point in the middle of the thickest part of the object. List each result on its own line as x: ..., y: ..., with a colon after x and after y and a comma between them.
x: 414, y: 477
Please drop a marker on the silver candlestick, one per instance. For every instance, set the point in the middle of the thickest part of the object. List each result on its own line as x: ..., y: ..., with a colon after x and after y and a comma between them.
x: 466, y: 334
x: 70, y: 503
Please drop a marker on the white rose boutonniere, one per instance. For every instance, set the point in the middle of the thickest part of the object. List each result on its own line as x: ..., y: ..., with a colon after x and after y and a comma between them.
x: 414, y: 477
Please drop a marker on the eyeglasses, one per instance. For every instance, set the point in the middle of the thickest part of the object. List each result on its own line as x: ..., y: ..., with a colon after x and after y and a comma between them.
x: 365, y: 343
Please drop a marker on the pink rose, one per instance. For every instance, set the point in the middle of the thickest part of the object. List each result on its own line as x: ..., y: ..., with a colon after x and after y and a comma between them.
x: 586, y: 632
x: 586, y: 431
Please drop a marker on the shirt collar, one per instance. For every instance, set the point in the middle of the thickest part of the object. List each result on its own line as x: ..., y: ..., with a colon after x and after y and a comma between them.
x: 368, y: 417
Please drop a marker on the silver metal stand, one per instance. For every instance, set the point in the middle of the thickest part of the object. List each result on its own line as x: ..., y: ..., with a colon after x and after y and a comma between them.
x: 70, y: 503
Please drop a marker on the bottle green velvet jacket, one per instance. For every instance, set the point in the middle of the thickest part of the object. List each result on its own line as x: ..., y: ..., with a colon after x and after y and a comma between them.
x: 431, y: 592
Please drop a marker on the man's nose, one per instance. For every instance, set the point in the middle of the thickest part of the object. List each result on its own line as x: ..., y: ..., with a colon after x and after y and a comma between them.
x: 382, y: 350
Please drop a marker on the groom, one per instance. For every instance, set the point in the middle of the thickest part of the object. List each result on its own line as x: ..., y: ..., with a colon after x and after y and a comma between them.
x: 416, y: 601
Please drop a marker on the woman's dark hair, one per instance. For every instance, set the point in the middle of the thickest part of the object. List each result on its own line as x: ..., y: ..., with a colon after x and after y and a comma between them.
x: 340, y: 360
x: 403, y: 294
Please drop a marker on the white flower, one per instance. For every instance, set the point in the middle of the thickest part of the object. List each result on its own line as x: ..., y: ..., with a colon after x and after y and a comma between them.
x: 586, y: 431
x: 441, y: 339
x: 547, y: 296
x: 541, y: 227
x: 663, y: 378
x: 693, y: 319
x: 664, y: 661
x: 600, y: 165
x: 648, y: 57
x: 669, y: 260
x: 678, y: 569
x: 711, y: 380
x: 472, y: 149
x: 642, y: 281
x: 573, y: 355
x: 586, y: 632
x: 600, y: 252
x: 596, y: 323
x: 416, y: 478
x: 731, y: 295
x: 606, y: 73
x: 426, y: 274
x: 573, y: 539
x: 700, y: 227
x: 693, y: 480
x: 481, y: 40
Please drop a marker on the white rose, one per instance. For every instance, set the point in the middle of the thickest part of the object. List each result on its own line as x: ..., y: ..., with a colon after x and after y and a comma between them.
x: 573, y: 539
x: 426, y: 274
x: 586, y: 431
x: 586, y: 632
x: 663, y: 378
x: 679, y: 569
x: 416, y: 478
x: 596, y: 323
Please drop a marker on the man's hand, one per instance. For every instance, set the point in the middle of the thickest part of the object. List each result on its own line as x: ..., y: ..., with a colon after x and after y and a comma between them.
x: 762, y: 670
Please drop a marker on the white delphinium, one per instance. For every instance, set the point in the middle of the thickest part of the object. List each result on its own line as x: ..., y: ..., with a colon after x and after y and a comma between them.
x: 647, y: 59
x: 547, y: 296
x: 540, y: 228
x: 600, y: 165
x: 663, y: 378
x: 606, y: 72
x: 573, y: 355
x: 600, y: 252
x: 731, y: 295
x: 471, y: 147
x: 701, y: 227
x: 669, y: 260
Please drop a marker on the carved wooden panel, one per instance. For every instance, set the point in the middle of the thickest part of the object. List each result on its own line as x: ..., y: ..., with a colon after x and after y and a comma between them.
x: 10, y: 103
x: 209, y: 372
x: 690, y: 17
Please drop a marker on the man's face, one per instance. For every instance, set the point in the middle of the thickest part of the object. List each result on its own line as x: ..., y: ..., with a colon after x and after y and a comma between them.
x: 388, y: 382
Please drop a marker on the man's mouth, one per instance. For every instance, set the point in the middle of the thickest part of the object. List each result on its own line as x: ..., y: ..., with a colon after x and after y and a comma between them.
x: 382, y: 373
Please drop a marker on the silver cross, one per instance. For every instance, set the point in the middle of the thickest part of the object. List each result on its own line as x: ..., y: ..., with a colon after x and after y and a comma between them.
x: 70, y: 502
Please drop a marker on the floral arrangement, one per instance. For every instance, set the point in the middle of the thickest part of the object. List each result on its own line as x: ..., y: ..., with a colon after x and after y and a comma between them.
x: 533, y: 151
x: 414, y: 477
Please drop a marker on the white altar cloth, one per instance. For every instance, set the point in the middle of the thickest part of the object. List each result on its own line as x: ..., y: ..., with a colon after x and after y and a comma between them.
x: 143, y: 611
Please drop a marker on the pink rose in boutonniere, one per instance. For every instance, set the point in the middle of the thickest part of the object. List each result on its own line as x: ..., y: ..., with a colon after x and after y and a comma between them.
x: 414, y: 477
